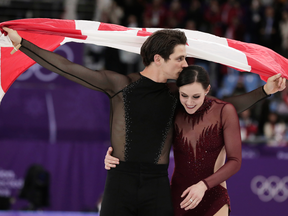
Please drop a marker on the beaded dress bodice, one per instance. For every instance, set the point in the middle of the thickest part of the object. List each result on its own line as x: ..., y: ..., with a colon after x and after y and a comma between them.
x: 198, y: 140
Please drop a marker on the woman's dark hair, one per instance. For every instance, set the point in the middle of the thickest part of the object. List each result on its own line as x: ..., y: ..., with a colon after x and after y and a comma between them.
x: 191, y: 74
x: 161, y: 42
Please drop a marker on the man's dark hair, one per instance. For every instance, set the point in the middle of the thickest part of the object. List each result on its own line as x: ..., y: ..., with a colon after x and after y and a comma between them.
x: 191, y: 74
x: 161, y: 42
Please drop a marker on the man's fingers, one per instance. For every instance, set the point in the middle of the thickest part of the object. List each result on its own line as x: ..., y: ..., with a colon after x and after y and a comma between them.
x: 110, y: 149
x: 4, y: 31
x: 111, y: 160
x: 7, y: 30
x: 109, y: 164
x: 283, y: 84
x: 107, y: 167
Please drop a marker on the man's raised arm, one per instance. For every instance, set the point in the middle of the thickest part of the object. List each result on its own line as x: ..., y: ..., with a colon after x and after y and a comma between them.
x: 108, y: 82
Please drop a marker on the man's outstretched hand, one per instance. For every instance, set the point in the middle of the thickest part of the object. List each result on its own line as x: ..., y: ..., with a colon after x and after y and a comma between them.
x: 13, y: 35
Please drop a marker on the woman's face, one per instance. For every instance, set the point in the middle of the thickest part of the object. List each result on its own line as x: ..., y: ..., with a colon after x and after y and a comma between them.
x: 192, y: 96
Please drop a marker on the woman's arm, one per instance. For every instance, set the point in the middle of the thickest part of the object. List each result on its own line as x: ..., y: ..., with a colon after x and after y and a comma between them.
x: 232, y: 141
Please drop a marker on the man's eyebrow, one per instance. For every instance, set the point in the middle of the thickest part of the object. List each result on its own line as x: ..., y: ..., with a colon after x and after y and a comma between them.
x: 184, y: 56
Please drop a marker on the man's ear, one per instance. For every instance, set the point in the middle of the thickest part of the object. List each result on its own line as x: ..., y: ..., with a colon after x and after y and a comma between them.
x: 157, y: 59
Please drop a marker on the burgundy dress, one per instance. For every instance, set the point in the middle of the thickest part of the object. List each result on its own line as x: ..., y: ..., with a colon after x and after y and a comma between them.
x: 199, y: 139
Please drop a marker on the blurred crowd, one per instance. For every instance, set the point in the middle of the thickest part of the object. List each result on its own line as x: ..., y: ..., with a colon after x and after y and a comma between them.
x: 264, y: 22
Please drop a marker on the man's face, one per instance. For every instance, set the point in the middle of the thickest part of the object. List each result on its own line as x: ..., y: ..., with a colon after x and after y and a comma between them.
x: 176, y: 62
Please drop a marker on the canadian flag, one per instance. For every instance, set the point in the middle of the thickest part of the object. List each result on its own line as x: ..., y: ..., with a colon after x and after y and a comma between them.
x: 52, y: 33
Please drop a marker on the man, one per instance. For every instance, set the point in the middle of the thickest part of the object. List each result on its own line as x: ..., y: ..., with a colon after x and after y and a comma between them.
x: 142, y: 111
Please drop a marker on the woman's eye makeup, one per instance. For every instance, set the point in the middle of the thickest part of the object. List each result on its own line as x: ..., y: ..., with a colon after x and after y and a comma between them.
x: 185, y: 96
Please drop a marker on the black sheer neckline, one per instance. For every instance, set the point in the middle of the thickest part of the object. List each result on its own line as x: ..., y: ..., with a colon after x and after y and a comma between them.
x: 147, y: 78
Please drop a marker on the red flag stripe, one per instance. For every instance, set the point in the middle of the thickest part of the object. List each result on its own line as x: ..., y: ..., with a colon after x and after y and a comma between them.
x: 64, y: 28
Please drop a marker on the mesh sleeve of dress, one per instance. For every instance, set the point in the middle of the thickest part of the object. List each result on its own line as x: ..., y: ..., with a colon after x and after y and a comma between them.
x: 232, y: 141
x: 108, y: 82
x: 245, y: 101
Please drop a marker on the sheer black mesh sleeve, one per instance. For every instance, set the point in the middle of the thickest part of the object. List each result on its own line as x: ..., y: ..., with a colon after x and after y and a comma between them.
x: 245, y: 101
x: 108, y: 82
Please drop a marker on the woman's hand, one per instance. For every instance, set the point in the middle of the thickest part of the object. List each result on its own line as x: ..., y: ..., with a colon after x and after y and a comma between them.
x: 274, y: 84
x: 194, y: 195
x: 110, y: 161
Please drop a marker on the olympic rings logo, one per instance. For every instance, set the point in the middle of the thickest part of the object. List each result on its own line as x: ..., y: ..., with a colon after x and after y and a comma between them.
x: 36, y: 69
x: 270, y: 188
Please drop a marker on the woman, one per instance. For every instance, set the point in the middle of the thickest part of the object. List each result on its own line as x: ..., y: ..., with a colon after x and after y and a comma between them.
x: 205, y: 131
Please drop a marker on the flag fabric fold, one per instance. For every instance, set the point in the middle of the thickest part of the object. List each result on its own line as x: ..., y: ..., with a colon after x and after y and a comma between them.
x: 52, y: 33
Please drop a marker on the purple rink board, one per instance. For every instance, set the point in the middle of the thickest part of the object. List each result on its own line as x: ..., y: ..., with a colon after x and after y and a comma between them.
x: 78, y: 176
x: 261, y: 185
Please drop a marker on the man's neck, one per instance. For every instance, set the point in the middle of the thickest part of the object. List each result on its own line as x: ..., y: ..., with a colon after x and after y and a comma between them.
x: 154, y: 74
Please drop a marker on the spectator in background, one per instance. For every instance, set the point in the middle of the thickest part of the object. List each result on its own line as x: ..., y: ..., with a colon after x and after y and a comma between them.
x: 132, y: 7
x: 248, y: 126
x: 70, y: 11
x: 253, y: 22
x: 190, y: 25
x: 283, y: 110
x: 175, y: 15
x: 283, y: 26
x: 279, y: 104
x: 100, y: 6
x: 213, y: 18
x: 230, y: 11
x: 240, y: 88
x: 195, y: 14
x: 114, y: 12
x: 36, y: 189
x: 232, y: 20
x: 274, y: 131
x: 155, y: 14
x: 269, y: 29
x: 235, y: 30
